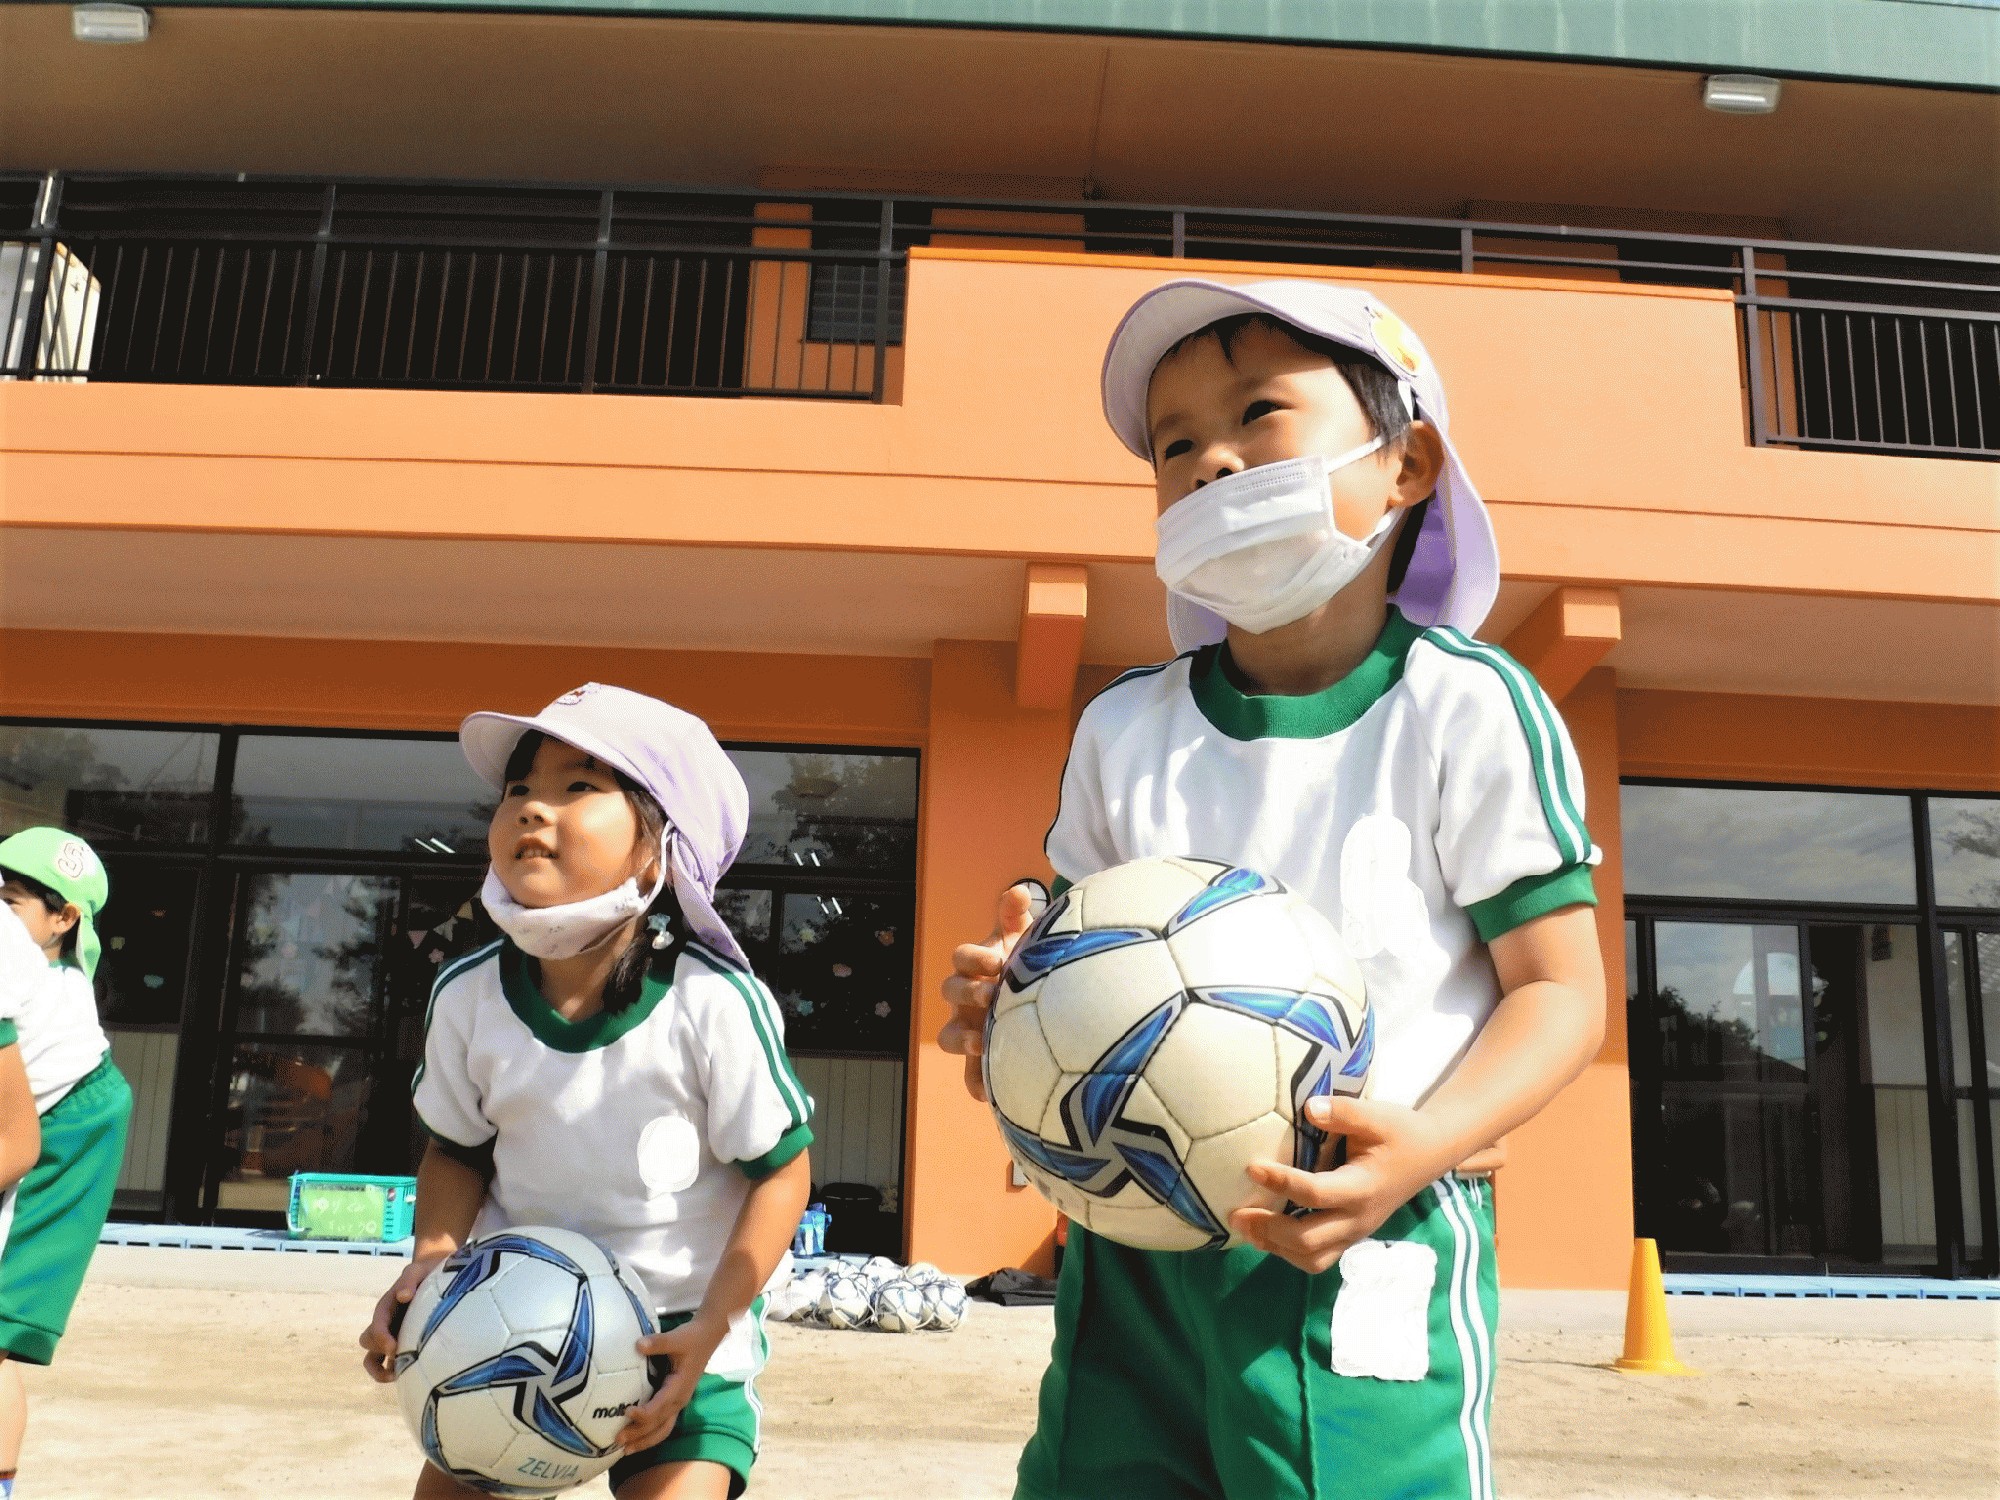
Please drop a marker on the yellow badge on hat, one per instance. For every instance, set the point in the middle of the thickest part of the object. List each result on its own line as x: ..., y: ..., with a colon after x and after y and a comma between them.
x: 1394, y: 342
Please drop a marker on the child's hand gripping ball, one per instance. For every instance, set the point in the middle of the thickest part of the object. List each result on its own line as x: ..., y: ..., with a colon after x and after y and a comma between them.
x: 1157, y: 1031
x: 517, y: 1363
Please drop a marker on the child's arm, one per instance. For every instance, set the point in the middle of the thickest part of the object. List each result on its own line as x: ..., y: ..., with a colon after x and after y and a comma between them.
x: 450, y: 1193
x: 20, y: 1126
x: 764, y: 1228
x: 1543, y: 1033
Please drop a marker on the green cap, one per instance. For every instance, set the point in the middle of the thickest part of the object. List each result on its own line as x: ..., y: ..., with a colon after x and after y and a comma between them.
x: 69, y: 867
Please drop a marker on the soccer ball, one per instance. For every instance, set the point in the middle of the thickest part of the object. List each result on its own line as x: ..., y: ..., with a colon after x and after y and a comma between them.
x: 879, y: 1269
x: 899, y: 1307
x: 923, y: 1273
x: 1158, y: 1029
x: 517, y: 1361
x: 844, y: 1303
x: 944, y: 1305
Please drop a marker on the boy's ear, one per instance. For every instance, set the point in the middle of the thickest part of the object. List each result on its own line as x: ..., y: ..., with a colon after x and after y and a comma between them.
x: 1422, y: 464
x: 67, y: 918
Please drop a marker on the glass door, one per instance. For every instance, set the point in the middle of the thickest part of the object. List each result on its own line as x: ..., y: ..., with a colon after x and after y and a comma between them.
x: 328, y: 973
x: 1781, y: 1110
x: 1972, y: 995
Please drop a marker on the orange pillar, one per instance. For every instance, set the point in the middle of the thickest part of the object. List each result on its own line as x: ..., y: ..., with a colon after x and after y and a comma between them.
x: 1564, y: 1198
x: 990, y: 778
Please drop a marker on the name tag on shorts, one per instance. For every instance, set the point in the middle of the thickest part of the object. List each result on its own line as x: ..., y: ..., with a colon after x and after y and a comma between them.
x: 1381, y: 1315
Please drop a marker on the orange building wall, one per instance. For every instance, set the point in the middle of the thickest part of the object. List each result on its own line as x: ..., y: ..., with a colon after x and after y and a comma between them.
x: 1563, y: 1202
x: 430, y: 685
x: 990, y: 781
x: 1835, y: 742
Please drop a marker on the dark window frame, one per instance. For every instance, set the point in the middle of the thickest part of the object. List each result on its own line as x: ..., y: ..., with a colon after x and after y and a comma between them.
x: 1643, y: 911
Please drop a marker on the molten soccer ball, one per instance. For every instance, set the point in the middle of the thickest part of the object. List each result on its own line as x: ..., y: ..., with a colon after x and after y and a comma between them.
x: 517, y: 1361
x: 899, y: 1307
x: 1158, y: 1029
x: 944, y: 1304
x: 845, y: 1303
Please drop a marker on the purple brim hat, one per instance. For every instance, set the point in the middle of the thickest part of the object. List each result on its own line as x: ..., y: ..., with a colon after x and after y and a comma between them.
x: 1454, y: 573
x: 666, y: 750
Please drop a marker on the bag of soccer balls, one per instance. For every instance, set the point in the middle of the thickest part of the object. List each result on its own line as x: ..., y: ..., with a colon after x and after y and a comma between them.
x: 877, y: 1294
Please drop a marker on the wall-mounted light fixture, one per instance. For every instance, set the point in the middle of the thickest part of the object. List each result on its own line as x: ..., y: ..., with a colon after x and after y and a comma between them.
x: 105, y: 22
x: 1740, y: 93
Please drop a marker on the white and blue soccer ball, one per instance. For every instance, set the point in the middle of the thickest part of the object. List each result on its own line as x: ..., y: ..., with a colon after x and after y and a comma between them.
x: 922, y: 1272
x: 845, y: 1302
x: 517, y: 1361
x: 944, y: 1304
x: 1159, y: 1028
x: 878, y: 1271
x: 899, y: 1307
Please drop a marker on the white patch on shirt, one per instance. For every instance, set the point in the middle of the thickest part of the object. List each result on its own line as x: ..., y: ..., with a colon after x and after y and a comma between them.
x: 1382, y: 909
x: 669, y: 1155
x: 1381, y: 1315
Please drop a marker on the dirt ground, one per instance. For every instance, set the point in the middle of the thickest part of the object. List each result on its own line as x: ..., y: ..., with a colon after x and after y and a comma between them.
x: 209, y: 1375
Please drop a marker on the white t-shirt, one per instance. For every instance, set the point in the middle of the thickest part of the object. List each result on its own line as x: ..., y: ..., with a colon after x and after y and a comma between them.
x: 53, y: 1011
x: 1426, y: 803
x: 643, y: 1129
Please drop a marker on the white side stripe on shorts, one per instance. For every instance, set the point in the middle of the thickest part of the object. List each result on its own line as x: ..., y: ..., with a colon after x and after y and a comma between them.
x: 1468, y: 1322
x: 1463, y: 1207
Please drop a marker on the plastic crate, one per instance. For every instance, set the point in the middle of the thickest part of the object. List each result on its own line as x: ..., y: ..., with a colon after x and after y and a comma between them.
x: 343, y: 1206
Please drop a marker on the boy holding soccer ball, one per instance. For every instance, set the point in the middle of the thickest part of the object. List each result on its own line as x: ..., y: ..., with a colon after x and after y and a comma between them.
x: 1332, y: 724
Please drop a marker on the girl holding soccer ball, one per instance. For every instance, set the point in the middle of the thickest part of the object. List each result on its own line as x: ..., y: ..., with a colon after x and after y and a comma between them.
x: 610, y: 1065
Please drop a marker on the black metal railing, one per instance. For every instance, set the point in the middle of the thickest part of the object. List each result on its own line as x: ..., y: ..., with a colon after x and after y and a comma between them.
x: 643, y: 290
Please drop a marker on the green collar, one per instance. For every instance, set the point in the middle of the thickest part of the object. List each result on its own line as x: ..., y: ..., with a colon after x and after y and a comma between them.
x: 524, y: 995
x: 1303, y: 716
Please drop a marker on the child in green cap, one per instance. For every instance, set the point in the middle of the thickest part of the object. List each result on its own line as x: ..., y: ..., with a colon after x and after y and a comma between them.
x: 53, y: 885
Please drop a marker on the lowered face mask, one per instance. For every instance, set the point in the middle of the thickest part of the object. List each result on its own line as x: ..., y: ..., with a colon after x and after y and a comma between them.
x: 572, y: 928
x: 1260, y: 547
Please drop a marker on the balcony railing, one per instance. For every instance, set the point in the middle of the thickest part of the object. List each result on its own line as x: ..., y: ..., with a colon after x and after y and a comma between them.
x: 272, y: 281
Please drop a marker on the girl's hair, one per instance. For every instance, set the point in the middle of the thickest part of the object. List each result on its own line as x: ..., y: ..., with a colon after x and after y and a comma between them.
x: 628, y: 974
x: 54, y: 900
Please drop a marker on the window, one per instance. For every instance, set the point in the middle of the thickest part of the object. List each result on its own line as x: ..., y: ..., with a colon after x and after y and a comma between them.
x: 1965, y: 851
x: 109, y: 785
x: 814, y: 809
x: 347, y: 792
x: 1769, y: 845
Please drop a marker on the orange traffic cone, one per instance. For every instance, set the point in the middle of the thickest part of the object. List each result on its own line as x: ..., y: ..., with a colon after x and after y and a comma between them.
x: 1649, y: 1343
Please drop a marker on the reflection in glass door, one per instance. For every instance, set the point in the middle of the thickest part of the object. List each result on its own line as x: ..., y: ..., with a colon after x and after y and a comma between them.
x: 328, y: 975
x: 1781, y: 1111
x: 1972, y: 996
x: 304, y: 1013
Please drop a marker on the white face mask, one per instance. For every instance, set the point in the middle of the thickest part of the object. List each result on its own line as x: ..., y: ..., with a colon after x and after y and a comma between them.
x: 1260, y: 547
x: 572, y: 928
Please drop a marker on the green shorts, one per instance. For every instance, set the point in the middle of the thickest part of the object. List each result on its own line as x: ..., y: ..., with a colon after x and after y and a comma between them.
x: 721, y: 1425
x: 50, y: 1221
x: 1232, y: 1375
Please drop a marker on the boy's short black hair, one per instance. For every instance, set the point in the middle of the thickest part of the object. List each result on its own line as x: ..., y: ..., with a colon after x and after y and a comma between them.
x: 49, y: 896
x: 1378, y: 392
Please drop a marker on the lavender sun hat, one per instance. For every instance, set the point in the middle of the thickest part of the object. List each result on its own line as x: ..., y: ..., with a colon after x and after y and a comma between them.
x: 666, y: 750
x: 1454, y: 572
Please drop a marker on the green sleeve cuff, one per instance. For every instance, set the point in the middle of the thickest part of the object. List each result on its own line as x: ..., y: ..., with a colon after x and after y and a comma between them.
x: 479, y: 1158
x: 1058, y: 888
x: 8, y: 1034
x: 1530, y: 897
x: 790, y: 1144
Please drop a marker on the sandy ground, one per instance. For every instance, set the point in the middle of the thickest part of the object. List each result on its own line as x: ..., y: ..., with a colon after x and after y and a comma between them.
x: 200, y: 1375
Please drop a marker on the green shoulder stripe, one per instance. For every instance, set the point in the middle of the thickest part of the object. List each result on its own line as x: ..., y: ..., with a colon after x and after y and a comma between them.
x: 763, y: 1020
x: 790, y: 1144
x: 1538, y: 726
x: 448, y: 973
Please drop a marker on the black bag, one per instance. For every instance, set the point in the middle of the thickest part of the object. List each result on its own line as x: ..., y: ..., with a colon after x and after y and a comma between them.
x: 1013, y: 1288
